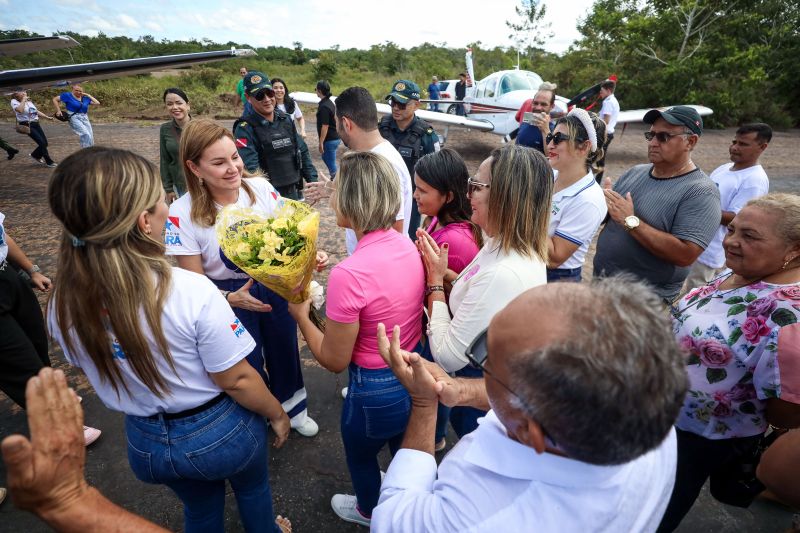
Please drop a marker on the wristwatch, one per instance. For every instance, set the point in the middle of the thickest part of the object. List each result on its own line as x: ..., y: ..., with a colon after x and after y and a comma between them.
x: 631, y: 223
x: 34, y: 268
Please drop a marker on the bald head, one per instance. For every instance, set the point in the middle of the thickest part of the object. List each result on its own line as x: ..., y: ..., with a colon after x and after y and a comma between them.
x: 596, y: 364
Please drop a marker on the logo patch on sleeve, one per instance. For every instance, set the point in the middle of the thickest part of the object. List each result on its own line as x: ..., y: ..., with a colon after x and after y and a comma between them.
x: 237, y: 328
x: 241, y: 143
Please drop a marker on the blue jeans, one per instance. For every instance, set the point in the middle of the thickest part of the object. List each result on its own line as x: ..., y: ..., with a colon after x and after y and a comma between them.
x: 276, y: 356
x: 564, y: 274
x: 375, y: 413
x: 194, y: 455
x: 465, y: 419
x: 329, y: 155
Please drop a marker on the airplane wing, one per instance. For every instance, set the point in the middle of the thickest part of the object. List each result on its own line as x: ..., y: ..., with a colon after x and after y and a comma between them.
x: 429, y: 116
x: 29, y: 45
x: 34, y: 78
x: 637, y: 115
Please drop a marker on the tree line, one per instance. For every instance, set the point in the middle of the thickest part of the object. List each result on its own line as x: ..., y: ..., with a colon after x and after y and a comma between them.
x: 739, y: 57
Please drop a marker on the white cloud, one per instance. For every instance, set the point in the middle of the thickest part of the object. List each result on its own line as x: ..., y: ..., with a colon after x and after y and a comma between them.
x: 128, y: 21
x: 153, y: 25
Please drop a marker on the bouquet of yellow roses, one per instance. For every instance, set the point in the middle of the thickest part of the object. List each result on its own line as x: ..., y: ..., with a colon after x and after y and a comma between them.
x: 278, y: 251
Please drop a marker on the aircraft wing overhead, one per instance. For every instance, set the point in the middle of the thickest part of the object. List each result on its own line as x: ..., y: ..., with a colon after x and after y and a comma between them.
x: 29, y: 45
x: 637, y: 115
x: 429, y: 116
x: 34, y: 78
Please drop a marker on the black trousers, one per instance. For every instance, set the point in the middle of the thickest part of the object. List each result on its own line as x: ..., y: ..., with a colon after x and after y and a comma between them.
x: 38, y: 136
x: 699, y: 459
x: 23, y: 342
x: 601, y: 163
x: 291, y: 192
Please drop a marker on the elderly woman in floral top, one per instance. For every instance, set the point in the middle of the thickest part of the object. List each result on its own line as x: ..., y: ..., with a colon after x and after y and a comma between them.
x: 742, y: 337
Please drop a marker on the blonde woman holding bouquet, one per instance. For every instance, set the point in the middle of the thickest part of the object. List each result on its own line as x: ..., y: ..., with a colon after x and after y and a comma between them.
x: 382, y: 281
x: 156, y: 343
x: 215, y: 179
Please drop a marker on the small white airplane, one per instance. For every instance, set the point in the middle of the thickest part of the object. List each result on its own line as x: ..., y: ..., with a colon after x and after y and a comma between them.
x: 62, y: 75
x: 492, y: 103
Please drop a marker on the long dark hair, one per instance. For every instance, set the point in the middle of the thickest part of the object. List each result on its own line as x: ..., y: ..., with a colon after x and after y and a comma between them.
x: 288, y: 101
x: 446, y: 172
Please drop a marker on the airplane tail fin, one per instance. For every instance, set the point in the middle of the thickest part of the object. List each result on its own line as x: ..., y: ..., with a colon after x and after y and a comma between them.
x: 470, y: 69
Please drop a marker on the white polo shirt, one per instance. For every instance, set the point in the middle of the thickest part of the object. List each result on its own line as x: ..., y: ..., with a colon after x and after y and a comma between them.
x: 489, y: 482
x: 184, y: 237
x: 610, y: 107
x: 390, y: 152
x: 203, y: 336
x: 576, y: 215
x: 736, y: 188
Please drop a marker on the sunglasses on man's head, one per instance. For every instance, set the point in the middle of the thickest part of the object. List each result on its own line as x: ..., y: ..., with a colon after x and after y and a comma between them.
x: 662, y: 136
x: 259, y: 96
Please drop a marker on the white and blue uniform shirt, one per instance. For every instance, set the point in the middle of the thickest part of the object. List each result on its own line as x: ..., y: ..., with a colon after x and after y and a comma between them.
x: 576, y: 214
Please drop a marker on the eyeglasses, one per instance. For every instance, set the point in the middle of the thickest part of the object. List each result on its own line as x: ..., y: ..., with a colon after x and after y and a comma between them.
x: 398, y: 105
x: 259, y: 96
x: 473, y: 185
x: 477, y: 353
x: 662, y: 136
x: 556, y: 138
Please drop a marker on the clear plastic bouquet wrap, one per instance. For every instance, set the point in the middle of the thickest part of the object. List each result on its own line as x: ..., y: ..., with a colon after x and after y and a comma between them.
x: 278, y: 251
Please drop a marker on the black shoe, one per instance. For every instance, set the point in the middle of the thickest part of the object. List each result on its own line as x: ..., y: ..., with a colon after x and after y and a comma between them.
x: 12, y: 152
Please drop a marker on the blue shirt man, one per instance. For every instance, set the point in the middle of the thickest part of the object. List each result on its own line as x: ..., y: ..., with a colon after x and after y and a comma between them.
x: 435, y: 93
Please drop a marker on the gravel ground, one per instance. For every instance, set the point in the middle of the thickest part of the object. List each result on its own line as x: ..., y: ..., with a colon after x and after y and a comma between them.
x: 306, y: 472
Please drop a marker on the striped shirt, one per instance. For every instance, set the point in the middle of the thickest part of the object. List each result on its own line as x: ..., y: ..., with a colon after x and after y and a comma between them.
x: 687, y: 206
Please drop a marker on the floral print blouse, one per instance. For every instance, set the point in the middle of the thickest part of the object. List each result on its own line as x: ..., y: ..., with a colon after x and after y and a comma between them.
x: 743, y: 347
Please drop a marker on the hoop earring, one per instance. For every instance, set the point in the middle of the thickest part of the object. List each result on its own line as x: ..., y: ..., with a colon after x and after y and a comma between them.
x: 787, y: 263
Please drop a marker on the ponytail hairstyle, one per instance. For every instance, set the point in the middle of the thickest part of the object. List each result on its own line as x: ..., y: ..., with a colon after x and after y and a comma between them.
x: 288, y: 101
x: 446, y: 172
x: 579, y: 135
x: 113, y: 277
x: 196, y: 137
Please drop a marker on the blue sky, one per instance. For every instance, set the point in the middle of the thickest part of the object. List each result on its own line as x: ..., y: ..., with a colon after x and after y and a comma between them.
x: 315, y: 23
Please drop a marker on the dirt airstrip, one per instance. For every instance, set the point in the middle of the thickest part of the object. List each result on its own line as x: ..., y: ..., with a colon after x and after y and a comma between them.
x: 306, y: 472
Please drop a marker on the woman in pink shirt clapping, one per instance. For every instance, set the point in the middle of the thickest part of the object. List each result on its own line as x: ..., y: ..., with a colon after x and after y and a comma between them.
x: 382, y: 281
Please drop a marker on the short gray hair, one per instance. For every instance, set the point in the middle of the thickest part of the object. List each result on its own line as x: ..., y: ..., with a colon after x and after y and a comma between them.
x: 367, y: 191
x: 611, y: 392
x: 787, y: 208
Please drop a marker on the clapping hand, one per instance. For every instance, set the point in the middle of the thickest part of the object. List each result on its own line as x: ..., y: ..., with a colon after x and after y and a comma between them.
x: 433, y: 257
x: 409, y: 368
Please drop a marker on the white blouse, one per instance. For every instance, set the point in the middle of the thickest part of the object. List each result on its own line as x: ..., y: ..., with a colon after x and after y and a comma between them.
x: 483, y: 288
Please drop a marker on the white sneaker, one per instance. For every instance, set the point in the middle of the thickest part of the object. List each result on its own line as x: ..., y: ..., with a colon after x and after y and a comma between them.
x: 308, y: 428
x: 345, y: 506
x: 344, y: 392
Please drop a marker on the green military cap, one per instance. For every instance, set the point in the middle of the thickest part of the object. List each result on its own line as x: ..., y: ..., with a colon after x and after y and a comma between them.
x: 403, y: 91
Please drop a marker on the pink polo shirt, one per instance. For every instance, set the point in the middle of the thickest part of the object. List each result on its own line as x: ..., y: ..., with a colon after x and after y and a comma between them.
x: 458, y: 235
x: 383, y: 281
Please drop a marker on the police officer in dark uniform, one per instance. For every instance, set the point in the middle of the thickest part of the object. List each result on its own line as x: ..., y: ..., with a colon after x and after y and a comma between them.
x: 267, y: 139
x: 409, y: 134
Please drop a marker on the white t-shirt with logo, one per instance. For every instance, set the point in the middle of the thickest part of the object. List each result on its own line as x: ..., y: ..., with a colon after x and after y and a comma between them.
x: 203, y: 336
x: 184, y: 237
x: 388, y: 151
x: 576, y: 214
x: 736, y: 188
x: 3, y: 240
x: 29, y: 114
x: 610, y: 107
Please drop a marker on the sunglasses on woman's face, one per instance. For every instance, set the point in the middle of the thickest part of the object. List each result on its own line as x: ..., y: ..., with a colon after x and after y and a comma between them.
x: 474, y: 185
x: 259, y: 96
x: 556, y: 138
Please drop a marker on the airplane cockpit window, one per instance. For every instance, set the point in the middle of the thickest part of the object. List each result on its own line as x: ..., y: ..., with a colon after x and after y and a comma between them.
x: 519, y: 81
x: 534, y: 79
